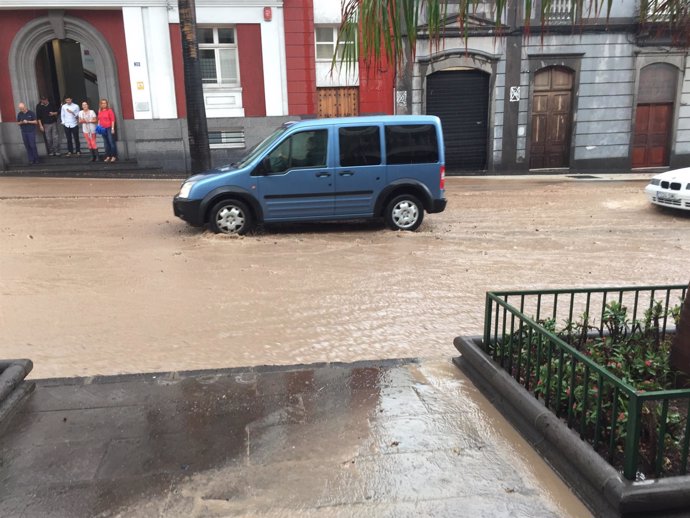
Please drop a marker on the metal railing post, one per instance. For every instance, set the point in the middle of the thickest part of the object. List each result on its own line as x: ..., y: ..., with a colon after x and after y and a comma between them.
x: 487, y: 321
x: 632, y: 438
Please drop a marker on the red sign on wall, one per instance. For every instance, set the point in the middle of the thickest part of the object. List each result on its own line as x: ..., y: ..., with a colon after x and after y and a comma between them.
x: 268, y: 14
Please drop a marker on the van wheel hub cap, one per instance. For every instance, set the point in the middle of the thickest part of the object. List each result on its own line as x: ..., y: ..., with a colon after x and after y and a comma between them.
x: 230, y: 219
x: 405, y: 214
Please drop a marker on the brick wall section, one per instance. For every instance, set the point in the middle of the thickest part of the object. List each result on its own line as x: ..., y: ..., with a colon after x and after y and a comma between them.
x: 376, y: 81
x: 251, y: 69
x: 178, y: 69
x: 10, y: 23
x: 299, y: 55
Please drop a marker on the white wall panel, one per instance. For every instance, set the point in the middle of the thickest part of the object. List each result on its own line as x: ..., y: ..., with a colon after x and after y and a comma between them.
x: 274, y: 61
x: 327, y: 11
x: 137, y: 62
x: 160, y: 63
x: 149, y: 60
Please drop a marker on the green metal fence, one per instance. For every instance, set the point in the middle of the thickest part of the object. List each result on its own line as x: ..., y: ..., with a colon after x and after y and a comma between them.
x: 645, y: 434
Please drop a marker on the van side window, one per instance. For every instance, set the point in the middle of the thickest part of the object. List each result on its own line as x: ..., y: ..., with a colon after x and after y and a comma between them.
x: 360, y: 146
x: 304, y: 149
x: 411, y: 144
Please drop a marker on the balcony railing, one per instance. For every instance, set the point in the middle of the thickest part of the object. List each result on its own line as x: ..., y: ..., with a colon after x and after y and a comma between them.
x: 561, y: 12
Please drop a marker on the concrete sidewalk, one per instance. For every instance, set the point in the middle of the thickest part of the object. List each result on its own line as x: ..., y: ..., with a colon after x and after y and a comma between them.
x: 574, y: 177
x: 390, y: 438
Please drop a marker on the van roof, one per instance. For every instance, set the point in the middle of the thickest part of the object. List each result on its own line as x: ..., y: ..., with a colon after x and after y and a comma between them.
x: 368, y: 119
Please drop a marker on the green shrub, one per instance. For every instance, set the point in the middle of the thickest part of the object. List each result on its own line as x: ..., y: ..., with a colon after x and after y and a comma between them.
x: 636, y: 352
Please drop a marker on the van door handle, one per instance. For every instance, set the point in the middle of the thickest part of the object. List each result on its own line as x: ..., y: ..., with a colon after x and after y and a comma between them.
x: 346, y: 173
x: 323, y: 175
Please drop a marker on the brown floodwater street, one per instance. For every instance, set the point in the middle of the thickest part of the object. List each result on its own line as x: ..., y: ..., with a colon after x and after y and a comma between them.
x: 99, y: 277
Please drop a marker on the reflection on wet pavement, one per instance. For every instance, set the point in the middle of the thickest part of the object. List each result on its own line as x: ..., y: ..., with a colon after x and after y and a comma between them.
x: 390, y: 438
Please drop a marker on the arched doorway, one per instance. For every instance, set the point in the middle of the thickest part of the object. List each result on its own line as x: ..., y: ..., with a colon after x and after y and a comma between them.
x: 654, y: 115
x: 460, y: 98
x: 66, y: 67
x: 551, y: 118
x: 30, y: 63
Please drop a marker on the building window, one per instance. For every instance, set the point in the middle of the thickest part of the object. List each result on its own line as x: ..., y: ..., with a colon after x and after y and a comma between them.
x: 218, y: 56
x: 658, y: 11
x: 227, y: 139
x: 326, y: 41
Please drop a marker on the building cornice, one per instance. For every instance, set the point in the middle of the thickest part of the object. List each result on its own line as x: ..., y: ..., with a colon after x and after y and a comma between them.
x: 117, y: 4
x: 83, y: 4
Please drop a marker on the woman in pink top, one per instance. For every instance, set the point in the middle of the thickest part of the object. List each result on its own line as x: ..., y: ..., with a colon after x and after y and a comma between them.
x: 106, y: 119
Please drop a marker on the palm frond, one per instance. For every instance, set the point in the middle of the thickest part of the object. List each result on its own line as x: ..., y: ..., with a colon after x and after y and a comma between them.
x: 387, y: 27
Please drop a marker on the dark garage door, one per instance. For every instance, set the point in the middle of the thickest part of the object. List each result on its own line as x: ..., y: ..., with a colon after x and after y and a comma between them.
x: 460, y: 98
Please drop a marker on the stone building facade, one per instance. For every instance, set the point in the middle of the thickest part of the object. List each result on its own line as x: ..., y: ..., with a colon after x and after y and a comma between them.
x: 594, y: 96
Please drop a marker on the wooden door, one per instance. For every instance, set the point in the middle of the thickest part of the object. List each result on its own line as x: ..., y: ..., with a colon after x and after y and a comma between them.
x: 551, y: 118
x: 341, y: 101
x: 652, y: 131
x: 656, y: 97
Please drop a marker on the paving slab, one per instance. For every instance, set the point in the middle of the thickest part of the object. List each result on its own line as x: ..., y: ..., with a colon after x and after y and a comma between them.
x: 380, y: 438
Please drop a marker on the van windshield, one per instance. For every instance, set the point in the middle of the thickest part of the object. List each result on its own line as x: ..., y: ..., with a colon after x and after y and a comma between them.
x: 260, y: 147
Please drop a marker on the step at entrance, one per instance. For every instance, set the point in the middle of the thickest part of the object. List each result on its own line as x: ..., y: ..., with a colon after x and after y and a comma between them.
x: 82, y: 167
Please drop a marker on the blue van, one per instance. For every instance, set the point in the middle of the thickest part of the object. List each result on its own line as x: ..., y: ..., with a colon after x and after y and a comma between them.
x: 326, y: 169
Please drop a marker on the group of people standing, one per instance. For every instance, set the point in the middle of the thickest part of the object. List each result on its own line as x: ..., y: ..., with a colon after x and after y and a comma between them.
x: 46, y: 118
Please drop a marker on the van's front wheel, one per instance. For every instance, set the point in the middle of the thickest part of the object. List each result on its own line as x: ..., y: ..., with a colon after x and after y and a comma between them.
x: 231, y: 217
x: 404, y: 212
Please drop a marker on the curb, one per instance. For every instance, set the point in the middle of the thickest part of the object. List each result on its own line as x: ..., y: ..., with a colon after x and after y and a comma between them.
x: 13, y: 388
x: 156, y: 376
x: 594, y: 480
x: 124, y: 173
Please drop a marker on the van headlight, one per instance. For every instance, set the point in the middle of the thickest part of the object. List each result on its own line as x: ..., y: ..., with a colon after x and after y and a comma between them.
x: 184, y: 190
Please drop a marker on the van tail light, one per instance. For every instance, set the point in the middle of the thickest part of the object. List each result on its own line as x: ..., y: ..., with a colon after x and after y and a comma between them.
x: 443, y: 177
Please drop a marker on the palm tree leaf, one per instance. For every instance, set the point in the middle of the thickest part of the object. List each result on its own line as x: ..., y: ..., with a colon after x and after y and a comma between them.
x: 387, y: 27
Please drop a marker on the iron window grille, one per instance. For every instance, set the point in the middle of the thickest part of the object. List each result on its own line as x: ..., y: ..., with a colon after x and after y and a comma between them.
x: 227, y: 139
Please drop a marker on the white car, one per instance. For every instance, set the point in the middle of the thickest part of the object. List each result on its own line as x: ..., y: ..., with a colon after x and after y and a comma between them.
x: 670, y: 189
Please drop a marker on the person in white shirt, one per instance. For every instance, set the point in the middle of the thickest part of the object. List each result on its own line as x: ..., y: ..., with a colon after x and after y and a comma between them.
x: 87, y: 119
x: 69, y: 114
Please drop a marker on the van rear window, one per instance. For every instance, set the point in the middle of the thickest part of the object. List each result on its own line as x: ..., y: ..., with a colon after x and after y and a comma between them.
x: 411, y: 144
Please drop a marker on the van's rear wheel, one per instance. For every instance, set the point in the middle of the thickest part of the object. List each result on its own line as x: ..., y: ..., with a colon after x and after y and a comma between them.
x: 404, y: 212
x: 231, y: 217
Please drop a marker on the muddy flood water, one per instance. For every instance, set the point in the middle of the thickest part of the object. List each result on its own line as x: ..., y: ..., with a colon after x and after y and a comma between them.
x: 99, y: 277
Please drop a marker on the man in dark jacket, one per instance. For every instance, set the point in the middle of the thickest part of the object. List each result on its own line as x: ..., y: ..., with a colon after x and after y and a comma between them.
x: 27, y: 122
x: 47, y: 122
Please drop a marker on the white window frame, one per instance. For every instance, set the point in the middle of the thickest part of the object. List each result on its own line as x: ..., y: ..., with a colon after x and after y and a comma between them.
x: 216, y: 46
x: 331, y: 43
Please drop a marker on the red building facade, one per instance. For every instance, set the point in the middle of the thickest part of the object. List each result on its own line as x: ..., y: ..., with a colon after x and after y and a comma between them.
x: 260, y: 67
